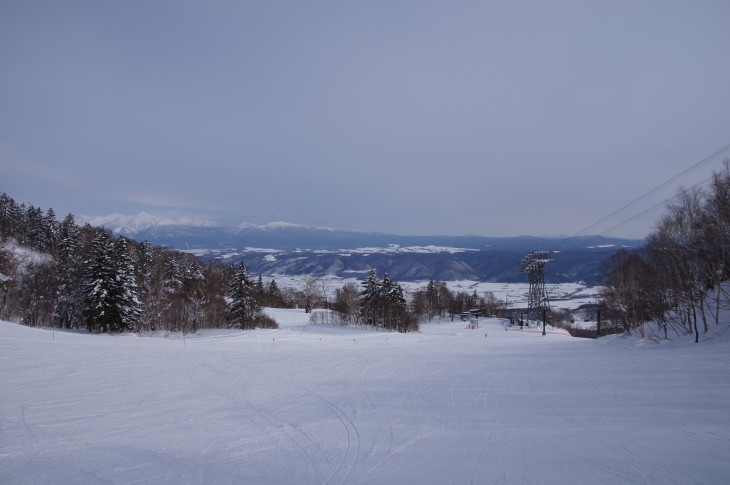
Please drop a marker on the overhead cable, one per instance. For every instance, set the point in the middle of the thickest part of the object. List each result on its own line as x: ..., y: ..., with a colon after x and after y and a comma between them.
x: 653, y: 191
x: 654, y: 208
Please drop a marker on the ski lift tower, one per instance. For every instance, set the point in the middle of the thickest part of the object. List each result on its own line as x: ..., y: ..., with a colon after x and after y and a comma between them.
x: 534, y: 265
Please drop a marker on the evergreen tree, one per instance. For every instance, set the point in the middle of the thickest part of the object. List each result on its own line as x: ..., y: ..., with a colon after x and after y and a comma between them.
x: 50, y: 229
x: 128, y: 291
x: 20, y: 224
x: 273, y: 294
x: 242, y: 309
x: 68, y: 239
x: 382, y: 303
x: 69, y: 300
x: 394, y: 305
x: 9, y: 217
x: 400, y: 319
x: 101, y: 308
x: 259, y: 289
x: 372, y: 284
x: 34, y: 233
x: 370, y: 298
x: 111, y: 299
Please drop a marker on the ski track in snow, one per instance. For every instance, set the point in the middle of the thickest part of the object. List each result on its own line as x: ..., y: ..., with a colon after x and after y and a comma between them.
x: 331, y: 405
x: 267, y: 422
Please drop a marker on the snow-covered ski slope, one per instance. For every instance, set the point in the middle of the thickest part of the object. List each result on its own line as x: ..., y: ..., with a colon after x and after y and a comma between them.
x: 329, y: 405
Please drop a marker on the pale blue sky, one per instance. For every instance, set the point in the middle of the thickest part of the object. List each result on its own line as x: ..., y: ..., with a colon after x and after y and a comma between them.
x: 414, y: 117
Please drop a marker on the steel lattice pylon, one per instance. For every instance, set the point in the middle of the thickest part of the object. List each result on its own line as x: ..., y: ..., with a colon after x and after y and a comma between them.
x: 534, y: 265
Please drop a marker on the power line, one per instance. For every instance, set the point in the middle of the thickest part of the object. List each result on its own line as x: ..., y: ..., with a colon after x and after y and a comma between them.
x: 640, y: 215
x: 654, y: 208
x: 653, y: 191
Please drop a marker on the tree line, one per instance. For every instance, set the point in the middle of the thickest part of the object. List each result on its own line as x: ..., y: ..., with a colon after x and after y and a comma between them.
x: 676, y: 279
x: 382, y: 303
x: 436, y: 300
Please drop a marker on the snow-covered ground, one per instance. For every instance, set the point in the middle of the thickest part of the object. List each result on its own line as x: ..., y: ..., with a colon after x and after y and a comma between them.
x: 329, y: 405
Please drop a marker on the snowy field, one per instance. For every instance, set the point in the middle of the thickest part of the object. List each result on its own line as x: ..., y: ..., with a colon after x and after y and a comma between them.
x: 329, y: 405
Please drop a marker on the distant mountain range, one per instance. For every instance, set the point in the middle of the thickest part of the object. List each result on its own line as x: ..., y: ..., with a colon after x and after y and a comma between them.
x: 281, y: 248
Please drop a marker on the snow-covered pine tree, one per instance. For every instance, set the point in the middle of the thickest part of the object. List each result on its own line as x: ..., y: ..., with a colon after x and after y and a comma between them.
x: 144, y: 284
x: 398, y: 308
x: 111, y: 298
x: 34, y: 234
x: 242, y: 309
x: 371, y: 290
x: 184, y: 291
x: 101, y: 291
x: 370, y: 298
x: 398, y: 296
x: 69, y: 300
x: 51, y: 228
x: 68, y: 240
x: 382, y: 303
x: 20, y: 228
x: 8, y: 216
x: 394, y: 307
x: 126, y: 276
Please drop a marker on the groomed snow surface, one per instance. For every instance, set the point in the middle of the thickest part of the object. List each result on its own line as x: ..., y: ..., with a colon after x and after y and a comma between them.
x: 330, y: 405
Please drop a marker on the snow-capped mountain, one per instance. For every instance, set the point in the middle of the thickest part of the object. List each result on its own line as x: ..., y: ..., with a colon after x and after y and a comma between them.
x: 272, y: 226
x: 130, y: 225
x: 295, y: 249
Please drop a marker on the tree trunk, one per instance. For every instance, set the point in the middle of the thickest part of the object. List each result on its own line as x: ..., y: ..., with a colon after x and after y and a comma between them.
x: 717, y: 303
